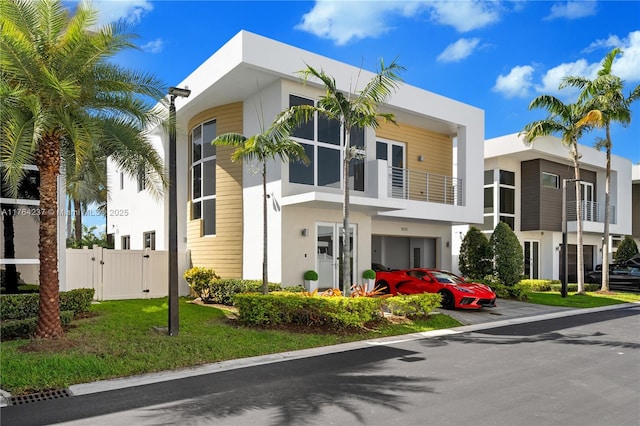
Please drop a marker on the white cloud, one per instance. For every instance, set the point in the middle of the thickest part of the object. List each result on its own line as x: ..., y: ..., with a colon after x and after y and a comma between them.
x: 344, y: 21
x: 154, y: 46
x: 515, y: 84
x: 611, y: 42
x: 627, y: 66
x: 459, y: 50
x: 553, y: 77
x: 465, y: 15
x: 131, y: 11
x: 572, y: 10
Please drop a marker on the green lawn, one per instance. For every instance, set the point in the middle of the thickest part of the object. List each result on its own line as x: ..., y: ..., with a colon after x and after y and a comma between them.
x: 121, y: 340
x: 588, y: 300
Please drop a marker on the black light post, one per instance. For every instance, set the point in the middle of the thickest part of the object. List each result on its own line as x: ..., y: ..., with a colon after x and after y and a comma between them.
x: 173, y: 213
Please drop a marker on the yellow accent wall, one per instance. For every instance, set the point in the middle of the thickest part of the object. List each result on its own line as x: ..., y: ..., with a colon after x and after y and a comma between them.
x: 437, y: 148
x: 222, y: 252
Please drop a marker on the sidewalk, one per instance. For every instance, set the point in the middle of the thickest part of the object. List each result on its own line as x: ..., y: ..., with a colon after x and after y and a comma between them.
x: 505, y: 313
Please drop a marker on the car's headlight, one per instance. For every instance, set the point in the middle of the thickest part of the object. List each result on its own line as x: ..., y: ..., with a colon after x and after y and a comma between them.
x: 462, y: 289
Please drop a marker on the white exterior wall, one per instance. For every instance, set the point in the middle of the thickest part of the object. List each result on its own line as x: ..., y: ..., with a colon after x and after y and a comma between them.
x: 132, y: 212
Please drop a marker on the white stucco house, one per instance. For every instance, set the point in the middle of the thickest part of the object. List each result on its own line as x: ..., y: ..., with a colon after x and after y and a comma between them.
x: 523, y: 186
x: 406, y: 194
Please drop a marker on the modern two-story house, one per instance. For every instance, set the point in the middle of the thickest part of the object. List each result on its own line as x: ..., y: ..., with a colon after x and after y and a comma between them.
x: 404, y: 196
x: 524, y: 186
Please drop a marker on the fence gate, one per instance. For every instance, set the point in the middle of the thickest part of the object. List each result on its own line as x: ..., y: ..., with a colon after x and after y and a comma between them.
x: 118, y: 274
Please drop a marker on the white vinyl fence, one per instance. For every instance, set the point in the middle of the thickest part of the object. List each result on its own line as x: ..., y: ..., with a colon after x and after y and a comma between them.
x: 118, y: 274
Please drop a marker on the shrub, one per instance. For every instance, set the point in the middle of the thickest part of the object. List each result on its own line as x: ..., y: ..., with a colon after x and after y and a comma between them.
x: 369, y: 274
x: 508, y: 258
x: 223, y: 290
x: 626, y: 250
x: 24, y: 328
x: 538, y: 285
x: 475, y: 254
x: 200, y: 280
x: 24, y: 306
x: 311, y: 275
x: 514, y: 292
x: 573, y: 287
x: 413, y: 306
x: 290, y: 308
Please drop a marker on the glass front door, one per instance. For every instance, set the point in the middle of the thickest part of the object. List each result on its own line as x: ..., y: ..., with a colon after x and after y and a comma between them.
x: 531, y: 259
x: 329, y: 255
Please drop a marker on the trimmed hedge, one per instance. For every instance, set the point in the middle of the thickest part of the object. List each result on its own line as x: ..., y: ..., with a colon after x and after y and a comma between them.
x: 22, y: 328
x: 222, y: 291
x: 25, y: 306
x: 291, y: 308
x: 414, y: 305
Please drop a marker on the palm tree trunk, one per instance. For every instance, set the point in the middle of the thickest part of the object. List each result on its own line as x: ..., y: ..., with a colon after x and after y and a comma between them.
x: 346, y: 244
x: 265, y: 280
x: 580, y: 252
x: 607, y: 206
x: 48, y: 162
x: 11, y: 271
x: 77, y: 223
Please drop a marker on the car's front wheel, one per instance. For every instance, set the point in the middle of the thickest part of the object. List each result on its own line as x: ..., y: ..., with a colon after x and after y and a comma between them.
x: 383, y: 286
x: 448, y: 302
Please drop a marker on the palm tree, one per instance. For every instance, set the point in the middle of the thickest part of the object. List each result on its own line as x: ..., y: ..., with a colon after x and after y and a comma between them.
x: 563, y: 119
x: 58, y: 87
x: 352, y: 111
x: 268, y: 145
x: 85, y: 186
x: 606, y: 103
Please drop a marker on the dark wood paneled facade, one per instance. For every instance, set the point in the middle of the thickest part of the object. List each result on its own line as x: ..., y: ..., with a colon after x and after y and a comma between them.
x: 541, y: 206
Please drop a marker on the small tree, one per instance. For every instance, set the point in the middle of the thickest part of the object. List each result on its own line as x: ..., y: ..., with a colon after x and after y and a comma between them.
x: 626, y: 250
x: 475, y: 255
x: 506, y: 251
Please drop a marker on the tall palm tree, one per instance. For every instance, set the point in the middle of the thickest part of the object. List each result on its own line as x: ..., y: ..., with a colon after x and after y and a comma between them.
x: 563, y: 119
x: 606, y: 103
x: 273, y: 143
x: 85, y: 186
x: 352, y: 111
x: 58, y: 87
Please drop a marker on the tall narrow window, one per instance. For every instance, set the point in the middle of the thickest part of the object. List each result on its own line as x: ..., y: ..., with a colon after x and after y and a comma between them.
x: 203, y: 176
x: 125, y: 242
x: 507, y: 198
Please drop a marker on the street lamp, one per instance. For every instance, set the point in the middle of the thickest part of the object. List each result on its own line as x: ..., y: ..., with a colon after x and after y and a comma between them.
x: 173, y: 212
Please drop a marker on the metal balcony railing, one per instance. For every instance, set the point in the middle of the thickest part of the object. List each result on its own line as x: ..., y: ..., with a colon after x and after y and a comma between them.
x: 420, y: 186
x: 591, y: 212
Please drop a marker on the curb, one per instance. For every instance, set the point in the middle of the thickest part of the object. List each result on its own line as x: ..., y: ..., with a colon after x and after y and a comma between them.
x: 150, y: 378
x: 144, y: 379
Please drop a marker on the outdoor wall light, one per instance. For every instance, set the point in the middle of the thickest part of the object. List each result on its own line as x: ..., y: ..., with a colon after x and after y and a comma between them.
x: 420, y: 157
x: 305, y: 232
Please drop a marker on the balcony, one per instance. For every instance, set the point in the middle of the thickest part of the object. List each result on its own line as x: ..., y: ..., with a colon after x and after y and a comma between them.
x: 591, y: 212
x: 420, y: 186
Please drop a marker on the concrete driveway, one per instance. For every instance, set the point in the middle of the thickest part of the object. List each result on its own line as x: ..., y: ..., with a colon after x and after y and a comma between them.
x: 505, y: 310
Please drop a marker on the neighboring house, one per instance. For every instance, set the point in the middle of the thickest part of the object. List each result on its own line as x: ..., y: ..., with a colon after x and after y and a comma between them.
x: 635, y: 203
x: 22, y: 213
x: 523, y: 186
x: 404, y: 198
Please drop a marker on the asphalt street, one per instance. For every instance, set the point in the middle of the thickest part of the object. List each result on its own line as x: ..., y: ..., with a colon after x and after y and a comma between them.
x: 581, y: 369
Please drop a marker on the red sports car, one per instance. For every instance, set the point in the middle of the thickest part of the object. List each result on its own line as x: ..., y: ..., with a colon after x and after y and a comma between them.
x: 455, y: 291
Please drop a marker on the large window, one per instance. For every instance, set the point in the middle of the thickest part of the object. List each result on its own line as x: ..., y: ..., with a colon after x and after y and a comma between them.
x: 503, y: 182
x: 322, y: 139
x: 203, y: 176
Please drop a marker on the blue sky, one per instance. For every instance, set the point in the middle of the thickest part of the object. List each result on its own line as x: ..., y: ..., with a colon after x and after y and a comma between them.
x: 495, y: 55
